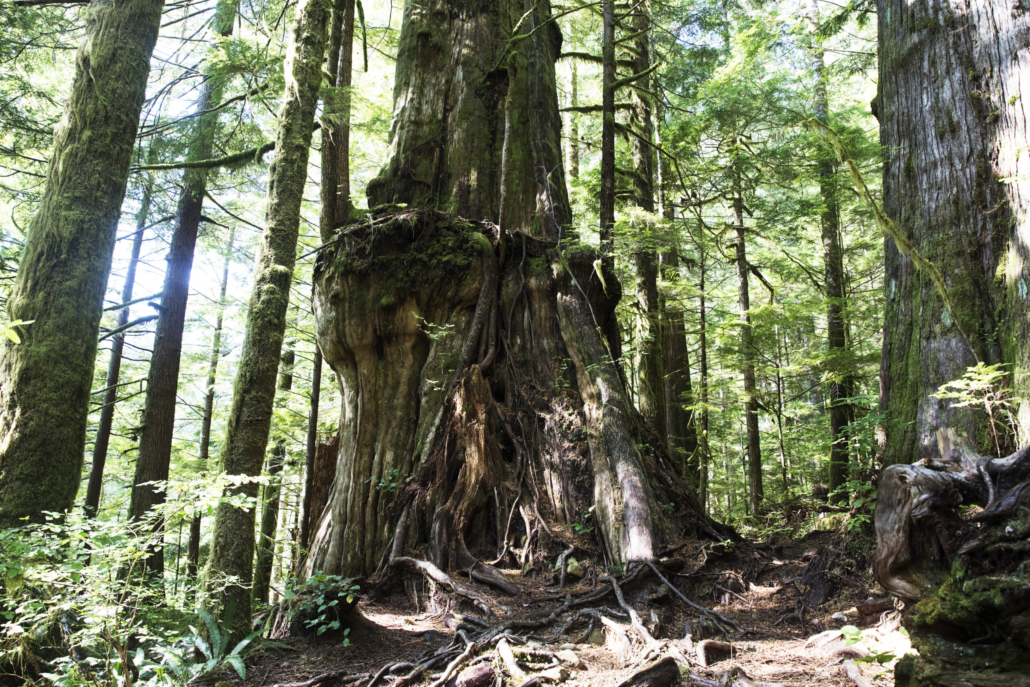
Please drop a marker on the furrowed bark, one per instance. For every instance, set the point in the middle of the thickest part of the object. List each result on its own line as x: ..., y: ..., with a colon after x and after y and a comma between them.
x: 114, y: 366
x: 45, y: 381
x: 155, y: 447
x: 952, y: 125
x: 230, y: 567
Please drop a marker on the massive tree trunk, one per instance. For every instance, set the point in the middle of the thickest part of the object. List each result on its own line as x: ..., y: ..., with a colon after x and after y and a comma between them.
x: 45, y: 381
x: 953, y: 128
x: 230, y: 566
x: 467, y: 332
x: 155, y: 445
x: 114, y: 365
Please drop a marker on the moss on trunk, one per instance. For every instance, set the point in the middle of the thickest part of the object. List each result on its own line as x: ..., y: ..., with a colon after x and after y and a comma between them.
x: 230, y: 566
x: 45, y: 381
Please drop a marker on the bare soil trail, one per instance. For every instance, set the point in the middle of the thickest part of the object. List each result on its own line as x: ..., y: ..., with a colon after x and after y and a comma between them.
x: 756, y: 617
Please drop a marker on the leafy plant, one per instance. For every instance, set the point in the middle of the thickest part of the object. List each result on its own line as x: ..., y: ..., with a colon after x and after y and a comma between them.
x: 584, y: 526
x: 985, y: 385
x: 318, y: 598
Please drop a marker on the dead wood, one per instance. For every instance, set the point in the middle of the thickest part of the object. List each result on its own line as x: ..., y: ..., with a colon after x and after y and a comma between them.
x: 855, y: 675
x: 711, y: 651
x: 664, y: 673
x: 734, y: 677
x: 874, y: 606
x: 915, y: 510
x: 481, y: 675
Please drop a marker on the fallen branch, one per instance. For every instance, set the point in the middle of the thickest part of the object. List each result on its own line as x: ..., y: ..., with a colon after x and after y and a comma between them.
x: 470, y: 648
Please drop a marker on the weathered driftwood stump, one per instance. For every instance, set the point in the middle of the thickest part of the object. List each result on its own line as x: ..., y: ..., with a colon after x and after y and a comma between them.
x: 953, y: 540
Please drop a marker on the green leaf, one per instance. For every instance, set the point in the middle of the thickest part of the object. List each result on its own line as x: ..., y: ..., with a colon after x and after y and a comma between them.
x: 237, y: 663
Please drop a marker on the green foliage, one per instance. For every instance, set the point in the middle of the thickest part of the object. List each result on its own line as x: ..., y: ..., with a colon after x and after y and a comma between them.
x: 986, y: 386
x: 319, y: 599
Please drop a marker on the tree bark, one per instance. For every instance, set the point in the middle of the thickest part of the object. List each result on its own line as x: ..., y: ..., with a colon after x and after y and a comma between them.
x: 273, y: 491
x: 952, y: 121
x: 230, y: 566
x: 747, y: 353
x: 155, y: 447
x: 114, y: 366
x: 607, y: 201
x: 573, y: 139
x: 651, y: 389
x: 312, y: 445
x: 841, y: 379
x: 45, y: 381
x: 414, y: 339
x: 193, y: 549
x: 702, y: 314
x: 269, y: 523
x: 336, y: 111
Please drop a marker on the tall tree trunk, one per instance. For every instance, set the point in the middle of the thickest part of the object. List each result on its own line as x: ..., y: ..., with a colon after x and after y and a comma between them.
x: 651, y: 389
x: 747, y: 352
x: 304, y: 539
x: 114, y: 365
x: 45, y: 381
x: 193, y: 550
x: 702, y: 314
x: 232, y: 551
x: 953, y: 128
x: 833, y: 260
x: 155, y: 447
x: 573, y: 139
x: 335, y: 189
x: 404, y: 411
x: 273, y: 492
x: 607, y: 200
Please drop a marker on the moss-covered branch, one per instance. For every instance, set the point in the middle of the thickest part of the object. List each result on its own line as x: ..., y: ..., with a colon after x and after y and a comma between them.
x: 627, y: 80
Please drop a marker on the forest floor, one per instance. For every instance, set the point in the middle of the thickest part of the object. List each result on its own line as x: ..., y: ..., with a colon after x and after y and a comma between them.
x: 785, y: 639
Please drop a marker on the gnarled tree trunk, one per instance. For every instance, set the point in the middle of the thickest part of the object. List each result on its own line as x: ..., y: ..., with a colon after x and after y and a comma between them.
x: 467, y: 332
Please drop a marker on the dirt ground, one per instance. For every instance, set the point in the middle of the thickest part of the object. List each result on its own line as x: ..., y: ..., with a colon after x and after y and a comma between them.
x: 785, y: 641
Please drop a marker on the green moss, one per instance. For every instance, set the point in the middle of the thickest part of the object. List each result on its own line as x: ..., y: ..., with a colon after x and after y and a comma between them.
x: 413, y: 249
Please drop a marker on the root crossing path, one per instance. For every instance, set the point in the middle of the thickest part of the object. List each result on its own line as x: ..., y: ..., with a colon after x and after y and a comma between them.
x: 708, y: 618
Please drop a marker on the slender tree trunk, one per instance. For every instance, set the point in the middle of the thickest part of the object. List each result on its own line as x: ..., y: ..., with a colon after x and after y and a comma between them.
x: 45, y: 381
x: 747, y: 352
x: 607, y: 200
x: 651, y: 389
x: 193, y: 552
x: 335, y: 189
x: 779, y: 413
x: 232, y: 551
x: 953, y: 126
x: 702, y: 313
x: 573, y: 139
x: 833, y: 260
x: 114, y: 366
x: 304, y: 540
x: 155, y: 448
x: 273, y: 491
